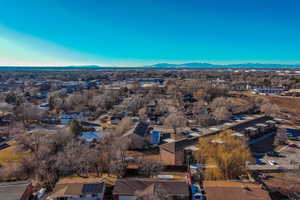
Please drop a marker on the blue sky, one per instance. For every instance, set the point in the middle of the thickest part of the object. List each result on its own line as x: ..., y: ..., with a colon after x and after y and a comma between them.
x: 138, y: 32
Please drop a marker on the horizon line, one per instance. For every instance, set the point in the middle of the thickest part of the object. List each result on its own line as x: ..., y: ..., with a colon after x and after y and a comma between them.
x: 145, y: 65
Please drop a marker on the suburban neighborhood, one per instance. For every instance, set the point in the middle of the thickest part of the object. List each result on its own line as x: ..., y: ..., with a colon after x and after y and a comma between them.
x: 149, y: 134
x: 149, y: 99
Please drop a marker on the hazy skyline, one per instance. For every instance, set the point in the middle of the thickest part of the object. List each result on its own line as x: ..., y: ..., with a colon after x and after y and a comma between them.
x: 135, y: 32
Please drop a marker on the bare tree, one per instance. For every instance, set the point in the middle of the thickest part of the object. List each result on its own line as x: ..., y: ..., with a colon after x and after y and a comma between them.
x: 157, y: 192
x: 75, y: 128
x: 149, y: 167
x: 97, y: 159
x: 222, y: 114
x: 118, y: 162
x: 219, y: 102
x: 5, y: 107
x: 73, y: 159
x: 175, y: 121
x: 124, y: 125
x: 143, y: 113
x: 270, y: 109
x: 28, y: 111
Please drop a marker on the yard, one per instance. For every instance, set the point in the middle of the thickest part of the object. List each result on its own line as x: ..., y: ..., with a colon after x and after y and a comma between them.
x: 9, y: 154
x: 75, y: 179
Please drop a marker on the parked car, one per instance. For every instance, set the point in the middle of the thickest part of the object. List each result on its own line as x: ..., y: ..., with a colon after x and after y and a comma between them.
x: 194, y: 129
x: 41, y: 193
x: 197, y: 193
x: 293, y: 145
x: 185, y: 133
x: 272, y: 162
x: 273, y: 154
x: 199, y: 196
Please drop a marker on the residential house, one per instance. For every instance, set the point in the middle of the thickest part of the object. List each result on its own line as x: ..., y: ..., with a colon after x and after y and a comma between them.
x: 188, y: 98
x: 20, y: 190
x: 178, y: 153
x: 234, y: 190
x: 3, y: 143
x: 78, y: 191
x: 131, y: 188
x: 90, y: 136
x: 139, y: 136
x: 65, y: 118
x: 292, y: 92
x: 6, y: 118
x: 268, y: 91
x: 239, y: 87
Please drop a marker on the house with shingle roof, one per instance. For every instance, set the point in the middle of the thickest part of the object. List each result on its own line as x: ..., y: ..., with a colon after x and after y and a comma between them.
x: 131, y: 188
x: 78, y: 191
x: 21, y: 190
x: 139, y: 135
x: 234, y: 190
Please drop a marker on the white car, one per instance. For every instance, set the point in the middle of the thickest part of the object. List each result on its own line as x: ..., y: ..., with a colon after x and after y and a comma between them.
x: 199, y: 196
x: 272, y: 162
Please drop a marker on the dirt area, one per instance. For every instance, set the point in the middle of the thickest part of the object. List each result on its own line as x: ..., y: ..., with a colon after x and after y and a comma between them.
x: 143, y: 155
x: 288, y: 105
x: 75, y: 179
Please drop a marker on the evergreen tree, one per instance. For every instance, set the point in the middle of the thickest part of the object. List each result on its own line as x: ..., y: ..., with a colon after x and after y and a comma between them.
x: 75, y: 128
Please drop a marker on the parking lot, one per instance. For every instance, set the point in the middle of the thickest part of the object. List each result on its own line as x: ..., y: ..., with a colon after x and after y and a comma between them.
x: 288, y: 156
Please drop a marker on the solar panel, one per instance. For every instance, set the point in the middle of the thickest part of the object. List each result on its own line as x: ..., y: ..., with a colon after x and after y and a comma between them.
x: 92, y: 188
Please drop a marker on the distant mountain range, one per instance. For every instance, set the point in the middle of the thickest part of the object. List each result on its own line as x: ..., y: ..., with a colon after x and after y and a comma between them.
x: 208, y: 65
x: 194, y: 65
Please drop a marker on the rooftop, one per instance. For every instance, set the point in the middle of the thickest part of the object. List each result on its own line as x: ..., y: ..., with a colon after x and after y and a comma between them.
x: 234, y: 190
x: 140, y: 128
x: 179, y: 145
x: 13, y: 190
x: 130, y: 186
x: 77, y: 189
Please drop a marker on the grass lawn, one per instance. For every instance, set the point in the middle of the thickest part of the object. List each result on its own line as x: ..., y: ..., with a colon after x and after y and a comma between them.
x: 9, y: 154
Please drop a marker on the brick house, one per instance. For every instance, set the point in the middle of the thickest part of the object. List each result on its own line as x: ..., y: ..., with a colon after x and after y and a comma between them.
x: 177, y: 153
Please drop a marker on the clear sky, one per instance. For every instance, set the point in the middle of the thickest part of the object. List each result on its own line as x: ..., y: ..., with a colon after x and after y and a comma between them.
x: 138, y: 32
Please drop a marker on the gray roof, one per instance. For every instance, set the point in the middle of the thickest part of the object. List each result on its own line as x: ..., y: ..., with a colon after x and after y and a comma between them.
x: 92, y: 188
x: 12, y: 190
x: 179, y: 145
x: 130, y: 186
x: 140, y: 129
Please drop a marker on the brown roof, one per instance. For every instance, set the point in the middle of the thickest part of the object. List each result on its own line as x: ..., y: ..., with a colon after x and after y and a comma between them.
x: 13, y: 190
x: 76, y: 189
x: 178, y: 145
x: 286, y: 184
x: 231, y: 190
x: 71, y: 189
x: 130, y: 186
